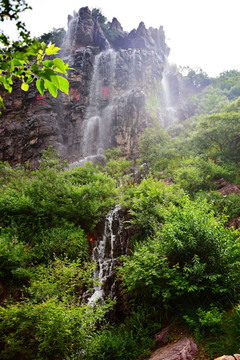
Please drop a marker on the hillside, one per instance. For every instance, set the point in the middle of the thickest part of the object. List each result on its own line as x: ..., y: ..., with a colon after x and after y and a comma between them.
x: 120, y: 205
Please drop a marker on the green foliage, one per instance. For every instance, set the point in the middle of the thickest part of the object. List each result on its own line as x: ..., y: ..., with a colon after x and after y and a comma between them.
x: 204, y: 322
x: 191, y: 259
x: 208, y: 101
x: 151, y: 146
x: 12, y: 260
x: 217, y: 330
x: 117, y: 166
x: 105, y: 25
x: 125, y: 341
x: 63, y: 280
x: 48, y: 196
x: 44, y: 73
x: 64, y: 241
x: 196, y: 79
x: 148, y: 203
x: 55, y: 36
x: 47, y: 330
x: 195, y: 173
x: 97, y: 14
x: 10, y: 10
x: 217, y: 135
x: 229, y: 83
x: 228, y: 205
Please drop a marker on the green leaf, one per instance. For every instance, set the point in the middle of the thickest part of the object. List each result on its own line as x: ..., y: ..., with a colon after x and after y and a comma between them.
x: 47, y: 74
x: 52, y: 50
x: 4, y: 65
x: 63, y: 84
x: 47, y: 63
x: 60, y: 64
x: 54, y: 80
x: 51, y: 88
x: 25, y: 86
x: 40, y: 86
x: 35, y: 67
x: 2, y: 103
x: 16, y: 62
x: 29, y: 80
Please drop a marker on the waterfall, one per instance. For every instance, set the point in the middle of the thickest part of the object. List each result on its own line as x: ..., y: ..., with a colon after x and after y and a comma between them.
x: 99, y: 113
x: 108, y: 247
x: 168, y: 111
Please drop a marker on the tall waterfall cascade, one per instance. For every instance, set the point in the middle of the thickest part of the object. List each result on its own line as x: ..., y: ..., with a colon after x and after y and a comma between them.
x: 168, y: 113
x: 98, y: 117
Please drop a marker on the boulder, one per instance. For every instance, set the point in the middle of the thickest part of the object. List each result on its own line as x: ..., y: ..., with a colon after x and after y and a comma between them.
x: 184, y: 349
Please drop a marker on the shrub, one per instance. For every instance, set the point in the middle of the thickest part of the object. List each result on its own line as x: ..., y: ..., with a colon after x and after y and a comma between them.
x: 13, y: 257
x: 48, y: 330
x: 148, y: 203
x: 196, y: 174
x: 66, y: 241
x: 127, y: 340
x: 192, y: 259
x: 62, y: 280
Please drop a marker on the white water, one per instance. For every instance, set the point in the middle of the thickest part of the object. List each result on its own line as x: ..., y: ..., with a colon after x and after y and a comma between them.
x: 104, y: 253
x: 98, y: 117
x: 168, y: 113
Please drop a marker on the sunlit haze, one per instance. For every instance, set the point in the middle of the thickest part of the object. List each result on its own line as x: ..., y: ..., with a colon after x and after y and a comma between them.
x: 201, y: 34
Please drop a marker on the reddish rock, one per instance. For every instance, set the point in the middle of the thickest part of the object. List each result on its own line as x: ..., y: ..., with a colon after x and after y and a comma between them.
x: 229, y: 189
x: 184, y: 349
x: 168, y: 180
x: 162, y: 337
x: 235, y: 223
x: 224, y: 188
x: 220, y: 183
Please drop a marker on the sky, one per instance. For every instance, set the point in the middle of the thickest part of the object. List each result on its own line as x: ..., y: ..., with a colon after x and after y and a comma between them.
x: 200, y: 33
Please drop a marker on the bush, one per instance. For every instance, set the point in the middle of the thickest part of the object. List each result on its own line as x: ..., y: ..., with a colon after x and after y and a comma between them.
x: 127, y: 340
x: 13, y: 257
x: 196, y: 174
x: 192, y: 259
x: 48, y: 196
x: 62, y: 280
x: 228, y: 205
x: 216, y: 330
x: 48, y: 330
x: 148, y: 203
x: 62, y: 242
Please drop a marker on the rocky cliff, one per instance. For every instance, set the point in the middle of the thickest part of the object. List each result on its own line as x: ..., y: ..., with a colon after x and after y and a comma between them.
x: 114, y: 74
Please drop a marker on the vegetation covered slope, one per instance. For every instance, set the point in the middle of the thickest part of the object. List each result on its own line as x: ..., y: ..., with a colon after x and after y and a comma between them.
x: 184, y: 263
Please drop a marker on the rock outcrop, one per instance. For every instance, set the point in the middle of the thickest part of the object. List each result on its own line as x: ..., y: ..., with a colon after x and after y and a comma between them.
x: 115, y: 72
x: 183, y: 349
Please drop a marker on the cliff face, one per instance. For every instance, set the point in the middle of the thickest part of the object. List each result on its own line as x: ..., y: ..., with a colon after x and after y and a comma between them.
x: 114, y: 72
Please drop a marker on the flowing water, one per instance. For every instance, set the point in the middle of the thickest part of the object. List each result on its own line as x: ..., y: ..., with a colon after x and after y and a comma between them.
x: 168, y: 113
x: 99, y: 113
x: 108, y: 247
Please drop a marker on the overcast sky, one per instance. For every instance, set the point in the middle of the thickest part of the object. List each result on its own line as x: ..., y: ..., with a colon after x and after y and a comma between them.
x: 200, y: 33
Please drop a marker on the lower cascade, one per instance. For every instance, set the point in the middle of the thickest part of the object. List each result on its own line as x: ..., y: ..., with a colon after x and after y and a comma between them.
x: 108, y: 247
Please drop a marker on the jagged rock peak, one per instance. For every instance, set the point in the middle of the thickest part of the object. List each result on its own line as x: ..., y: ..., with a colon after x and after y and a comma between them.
x: 85, y: 29
x: 115, y: 25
